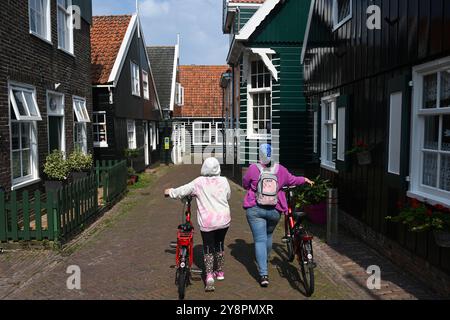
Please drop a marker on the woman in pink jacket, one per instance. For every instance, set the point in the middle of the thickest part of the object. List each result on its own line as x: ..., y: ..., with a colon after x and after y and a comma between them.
x: 263, y: 220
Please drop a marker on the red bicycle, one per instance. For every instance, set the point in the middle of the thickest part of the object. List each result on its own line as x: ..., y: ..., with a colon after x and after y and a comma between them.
x: 184, y: 251
x: 299, y: 243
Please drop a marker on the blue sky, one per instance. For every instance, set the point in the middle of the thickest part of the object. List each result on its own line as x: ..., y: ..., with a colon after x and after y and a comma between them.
x: 197, y: 21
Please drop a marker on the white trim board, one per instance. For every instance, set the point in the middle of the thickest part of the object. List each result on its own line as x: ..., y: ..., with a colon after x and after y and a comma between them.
x: 256, y: 19
x: 121, y: 56
x: 308, y: 29
x: 174, y: 78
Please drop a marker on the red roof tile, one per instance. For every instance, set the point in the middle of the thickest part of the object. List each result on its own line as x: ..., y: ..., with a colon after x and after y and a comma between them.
x: 107, y: 35
x: 203, y: 97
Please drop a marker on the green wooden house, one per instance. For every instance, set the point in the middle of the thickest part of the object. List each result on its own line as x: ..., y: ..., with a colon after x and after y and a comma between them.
x: 264, y: 97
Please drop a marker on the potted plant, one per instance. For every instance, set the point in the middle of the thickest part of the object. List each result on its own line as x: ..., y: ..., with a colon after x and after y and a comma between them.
x: 131, y: 155
x: 313, y: 200
x: 80, y: 164
x: 57, y: 170
x: 422, y: 217
x: 133, y: 178
x: 362, y: 152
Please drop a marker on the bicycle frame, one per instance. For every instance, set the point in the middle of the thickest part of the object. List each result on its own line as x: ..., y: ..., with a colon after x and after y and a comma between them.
x: 185, y: 240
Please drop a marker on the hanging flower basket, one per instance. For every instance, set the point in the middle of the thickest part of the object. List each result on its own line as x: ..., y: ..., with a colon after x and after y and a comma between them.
x: 442, y: 238
x: 364, y: 158
x: 362, y: 152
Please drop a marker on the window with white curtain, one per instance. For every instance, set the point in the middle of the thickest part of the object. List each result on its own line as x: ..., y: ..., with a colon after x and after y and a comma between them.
x: 100, y: 130
x: 40, y: 18
x: 65, y: 25
x: 145, y: 85
x: 259, y: 121
x: 135, y: 80
x: 430, y: 161
x: 395, y: 131
x: 131, y: 130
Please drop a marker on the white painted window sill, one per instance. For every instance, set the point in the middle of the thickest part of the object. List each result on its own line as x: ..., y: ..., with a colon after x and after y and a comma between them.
x: 329, y: 168
x: 428, y: 198
x: 25, y: 184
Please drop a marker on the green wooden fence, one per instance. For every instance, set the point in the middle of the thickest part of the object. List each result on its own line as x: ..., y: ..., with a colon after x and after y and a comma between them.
x: 57, y: 215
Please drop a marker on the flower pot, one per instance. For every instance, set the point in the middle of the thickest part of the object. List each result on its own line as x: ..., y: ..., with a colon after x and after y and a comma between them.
x: 317, y: 214
x: 79, y: 175
x: 53, y: 186
x: 442, y: 238
x: 364, y: 158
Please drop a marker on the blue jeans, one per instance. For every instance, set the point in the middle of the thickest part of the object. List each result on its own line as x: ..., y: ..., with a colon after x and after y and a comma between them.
x: 263, y: 222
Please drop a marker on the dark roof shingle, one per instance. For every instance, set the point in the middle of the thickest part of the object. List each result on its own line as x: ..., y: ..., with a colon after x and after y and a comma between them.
x: 162, y: 59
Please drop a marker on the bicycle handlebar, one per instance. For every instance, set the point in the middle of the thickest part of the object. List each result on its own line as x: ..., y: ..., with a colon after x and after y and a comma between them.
x: 289, y: 188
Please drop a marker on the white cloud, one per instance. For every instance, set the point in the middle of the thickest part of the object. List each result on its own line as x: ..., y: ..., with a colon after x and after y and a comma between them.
x: 199, y: 23
x: 152, y: 8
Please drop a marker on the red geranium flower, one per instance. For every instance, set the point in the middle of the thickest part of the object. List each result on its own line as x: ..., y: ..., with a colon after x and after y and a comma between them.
x: 429, y: 212
x: 415, y: 204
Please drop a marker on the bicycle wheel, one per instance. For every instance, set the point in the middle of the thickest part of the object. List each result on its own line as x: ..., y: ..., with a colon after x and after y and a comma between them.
x: 290, y: 250
x: 182, y: 283
x: 306, y: 268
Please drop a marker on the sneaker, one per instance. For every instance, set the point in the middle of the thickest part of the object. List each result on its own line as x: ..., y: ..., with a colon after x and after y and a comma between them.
x: 264, y: 282
x: 220, y: 276
x: 210, y: 283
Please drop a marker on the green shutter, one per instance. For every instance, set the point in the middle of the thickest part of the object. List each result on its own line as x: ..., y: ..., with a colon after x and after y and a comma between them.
x: 399, y: 84
x: 344, y: 101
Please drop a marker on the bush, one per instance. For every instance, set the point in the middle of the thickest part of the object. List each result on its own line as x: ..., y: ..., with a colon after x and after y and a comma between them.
x: 80, y: 162
x: 56, y: 167
x: 308, y: 195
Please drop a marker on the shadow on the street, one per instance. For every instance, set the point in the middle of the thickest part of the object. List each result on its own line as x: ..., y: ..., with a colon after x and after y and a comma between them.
x: 244, y: 253
x: 286, y: 270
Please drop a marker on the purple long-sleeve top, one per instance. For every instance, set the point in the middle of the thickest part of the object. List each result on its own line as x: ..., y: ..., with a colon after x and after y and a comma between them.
x: 285, y: 179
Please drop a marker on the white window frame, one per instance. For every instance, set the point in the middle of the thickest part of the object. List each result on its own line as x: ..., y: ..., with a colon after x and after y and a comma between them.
x: 195, y: 130
x: 135, y: 79
x: 335, y: 15
x: 251, y: 135
x: 145, y: 85
x: 80, y: 109
x: 95, y: 122
x: 179, y: 95
x: 46, y: 19
x: 80, y: 121
x: 25, y: 89
x: 132, y: 144
x: 33, y: 177
x: 68, y: 27
x: 325, y: 163
x: 60, y: 115
x: 219, y: 133
x: 417, y: 188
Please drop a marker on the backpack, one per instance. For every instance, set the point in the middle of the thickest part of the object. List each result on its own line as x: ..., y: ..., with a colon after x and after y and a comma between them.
x: 267, y: 191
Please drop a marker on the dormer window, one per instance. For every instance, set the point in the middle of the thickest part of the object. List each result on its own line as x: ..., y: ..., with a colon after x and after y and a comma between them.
x: 342, y: 12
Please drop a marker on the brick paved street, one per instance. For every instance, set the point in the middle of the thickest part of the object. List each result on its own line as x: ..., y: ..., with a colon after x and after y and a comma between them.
x: 126, y: 255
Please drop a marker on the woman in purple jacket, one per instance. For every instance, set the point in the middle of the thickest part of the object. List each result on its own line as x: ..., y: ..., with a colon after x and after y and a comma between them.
x: 264, y: 220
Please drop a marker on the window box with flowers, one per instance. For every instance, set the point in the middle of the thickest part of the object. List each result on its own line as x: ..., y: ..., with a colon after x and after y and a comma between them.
x: 422, y: 217
x: 363, y: 153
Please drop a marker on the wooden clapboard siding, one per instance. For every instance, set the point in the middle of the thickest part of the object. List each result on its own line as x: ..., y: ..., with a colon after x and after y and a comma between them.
x: 283, y: 32
x: 360, y: 63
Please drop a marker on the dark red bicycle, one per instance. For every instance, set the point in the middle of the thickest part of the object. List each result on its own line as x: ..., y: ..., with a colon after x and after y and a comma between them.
x: 184, y: 250
x: 299, y: 242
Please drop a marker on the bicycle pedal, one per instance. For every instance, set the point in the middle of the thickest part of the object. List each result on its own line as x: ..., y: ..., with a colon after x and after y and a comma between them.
x: 173, y: 245
x: 286, y: 240
x: 173, y: 267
